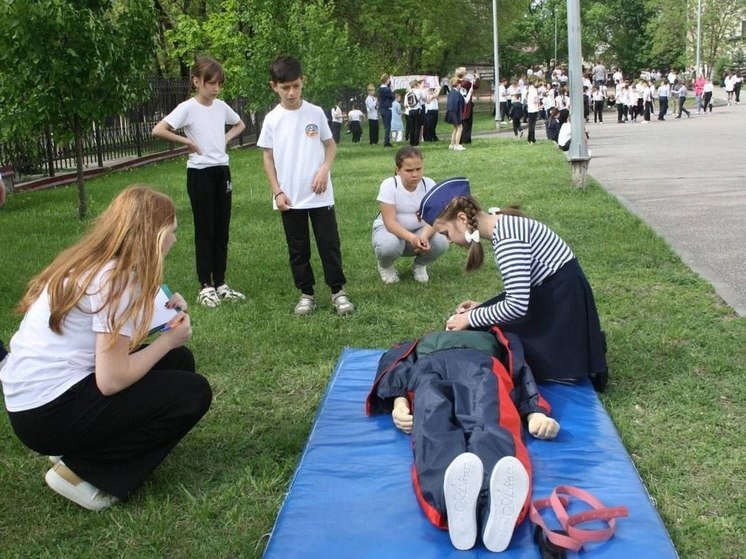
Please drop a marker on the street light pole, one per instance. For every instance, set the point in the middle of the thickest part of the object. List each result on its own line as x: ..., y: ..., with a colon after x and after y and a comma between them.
x: 578, y: 154
x: 699, y: 37
x: 496, y: 90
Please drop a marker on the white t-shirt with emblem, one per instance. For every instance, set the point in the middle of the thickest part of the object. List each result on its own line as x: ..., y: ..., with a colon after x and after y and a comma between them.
x: 296, y: 140
x: 205, y: 126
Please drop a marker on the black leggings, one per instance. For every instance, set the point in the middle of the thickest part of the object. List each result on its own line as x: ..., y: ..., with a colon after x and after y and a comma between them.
x: 115, y: 442
x: 211, y: 195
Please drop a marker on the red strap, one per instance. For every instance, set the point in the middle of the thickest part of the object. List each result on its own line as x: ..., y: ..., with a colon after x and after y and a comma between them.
x: 576, y: 537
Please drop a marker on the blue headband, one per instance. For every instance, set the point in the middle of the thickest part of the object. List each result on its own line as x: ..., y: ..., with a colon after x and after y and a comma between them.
x: 440, y: 196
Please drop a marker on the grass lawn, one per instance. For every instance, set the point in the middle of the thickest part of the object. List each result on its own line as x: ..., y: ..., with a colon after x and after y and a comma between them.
x: 676, y: 354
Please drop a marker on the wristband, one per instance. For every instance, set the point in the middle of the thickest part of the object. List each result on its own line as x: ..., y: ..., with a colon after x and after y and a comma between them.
x: 276, y: 195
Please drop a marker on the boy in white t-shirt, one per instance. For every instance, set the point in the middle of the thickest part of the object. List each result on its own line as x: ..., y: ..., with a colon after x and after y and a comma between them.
x: 298, y: 154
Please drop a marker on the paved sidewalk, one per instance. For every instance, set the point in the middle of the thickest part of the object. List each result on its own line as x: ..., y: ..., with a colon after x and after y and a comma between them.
x: 686, y: 178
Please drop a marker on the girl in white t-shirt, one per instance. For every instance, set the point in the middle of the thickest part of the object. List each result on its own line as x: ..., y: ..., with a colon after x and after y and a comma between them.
x: 78, y: 384
x: 397, y: 230
x: 203, y: 119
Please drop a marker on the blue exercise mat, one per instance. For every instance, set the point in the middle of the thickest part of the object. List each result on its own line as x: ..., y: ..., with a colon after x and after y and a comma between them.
x: 352, y: 497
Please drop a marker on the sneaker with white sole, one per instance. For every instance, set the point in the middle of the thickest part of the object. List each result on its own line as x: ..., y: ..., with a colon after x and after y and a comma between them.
x: 225, y: 292
x: 459, y: 147
x: 65, y: 482
x: 208, y: 297
x: 342, y: 303
x: 54, y: 459
x: 461, y: 486
x: 306, y: 305
x: 508, y: 492
x: 388, y: 275
x: 419, y: 271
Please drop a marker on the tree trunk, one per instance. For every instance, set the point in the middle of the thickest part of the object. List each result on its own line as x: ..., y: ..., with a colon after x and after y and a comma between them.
x: 82, y: 197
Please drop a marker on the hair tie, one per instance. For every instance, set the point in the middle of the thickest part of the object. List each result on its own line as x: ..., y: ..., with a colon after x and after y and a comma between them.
x: 472, y: 237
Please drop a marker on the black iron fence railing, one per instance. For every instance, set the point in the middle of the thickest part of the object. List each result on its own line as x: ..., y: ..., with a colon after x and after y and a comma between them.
x: 115, y: 139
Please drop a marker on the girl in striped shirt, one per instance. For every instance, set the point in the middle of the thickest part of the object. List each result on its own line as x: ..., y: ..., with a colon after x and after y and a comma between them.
x: 547, y: 299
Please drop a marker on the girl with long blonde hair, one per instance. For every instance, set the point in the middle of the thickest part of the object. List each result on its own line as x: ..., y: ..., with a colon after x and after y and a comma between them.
x: 78, y: 384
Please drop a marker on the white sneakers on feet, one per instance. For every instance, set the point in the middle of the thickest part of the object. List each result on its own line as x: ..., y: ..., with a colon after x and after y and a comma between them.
x: 208, y: 297
x: 65, y: 482
x: 306, y: 305
x: 342, y: 303
x: 450, y: 146
x: 225, y: 292
x: 458, y: 147
x: 419, y: 272
x: 508, y: 492
x: 461, y: 486
x: 388, y: 275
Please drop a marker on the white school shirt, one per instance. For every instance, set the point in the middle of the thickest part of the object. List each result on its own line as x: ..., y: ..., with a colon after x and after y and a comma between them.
x: 406, y: 203
x: 371, y: 105
x: 43, y: 365
x: 205, y: 126
x: 502, y: 94
x: 664, y: 90
x: 532, y: 99
x: 337, y: 114
x: 708, y: 87
x: 355, y: 115
x: 296, y: 140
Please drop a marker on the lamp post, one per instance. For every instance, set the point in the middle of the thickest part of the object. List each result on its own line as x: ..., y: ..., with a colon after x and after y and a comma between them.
x: 497, y: 65
x: 699, y: 37
x: 578, y: 154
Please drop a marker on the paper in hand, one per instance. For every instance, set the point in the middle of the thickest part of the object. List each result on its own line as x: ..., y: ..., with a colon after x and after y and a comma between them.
x: 161, y: 314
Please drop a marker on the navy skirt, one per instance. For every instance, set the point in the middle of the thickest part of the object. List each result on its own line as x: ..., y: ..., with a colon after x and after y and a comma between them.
x: 561, y: 332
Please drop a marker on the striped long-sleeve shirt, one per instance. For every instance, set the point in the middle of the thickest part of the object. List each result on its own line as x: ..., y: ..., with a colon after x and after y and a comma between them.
x: 527, y: 252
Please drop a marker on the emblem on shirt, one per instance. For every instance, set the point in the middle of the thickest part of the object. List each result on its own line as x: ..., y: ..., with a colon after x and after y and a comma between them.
x: 312, y: 130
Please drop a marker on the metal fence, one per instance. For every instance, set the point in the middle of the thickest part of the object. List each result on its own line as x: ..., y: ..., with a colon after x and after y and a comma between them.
x: 116, y: 139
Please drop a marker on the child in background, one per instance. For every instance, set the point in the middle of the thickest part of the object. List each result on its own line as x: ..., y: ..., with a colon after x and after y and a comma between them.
x: 354, y: 119
x: 337, y: 120
x: 203, y: 119
x: 397, y: 125
x: 298, y: 156
x: 516, y: 114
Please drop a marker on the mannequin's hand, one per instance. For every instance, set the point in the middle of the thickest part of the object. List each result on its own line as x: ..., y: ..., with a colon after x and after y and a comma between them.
x: 542, y: 427
x: 402, y: 415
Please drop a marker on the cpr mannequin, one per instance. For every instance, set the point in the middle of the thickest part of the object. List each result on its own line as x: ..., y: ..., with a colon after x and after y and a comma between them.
x: 463, y: 397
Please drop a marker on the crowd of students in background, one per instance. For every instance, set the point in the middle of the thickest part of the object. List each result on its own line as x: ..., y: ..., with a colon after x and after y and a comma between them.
x: 524, y: 100
x: 410, y: 115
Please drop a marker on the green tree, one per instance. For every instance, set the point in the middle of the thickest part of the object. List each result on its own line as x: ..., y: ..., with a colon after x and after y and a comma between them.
x: 70, y: 64
x: 245, y: 35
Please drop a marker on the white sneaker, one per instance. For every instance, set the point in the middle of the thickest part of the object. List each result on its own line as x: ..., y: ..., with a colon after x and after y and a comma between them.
x: 225, y: 292
x: 508, y: 492
x: 419, y: 272
x: 458, y: 148
x: 388, y: 275
x: 306, y: 305
x: 54, y: 459
x: 450, y: 146
x: 208, y: 297
x: 65, y: 482
x: 342, y: 303
x: 461, y: 486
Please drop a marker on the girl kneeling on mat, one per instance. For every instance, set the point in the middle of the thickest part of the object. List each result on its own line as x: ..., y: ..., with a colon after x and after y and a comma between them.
x: 547, y: 301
